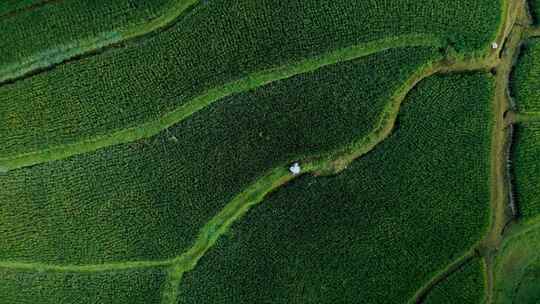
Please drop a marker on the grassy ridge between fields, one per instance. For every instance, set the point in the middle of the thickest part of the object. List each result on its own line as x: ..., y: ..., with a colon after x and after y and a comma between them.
x: 248, y: 83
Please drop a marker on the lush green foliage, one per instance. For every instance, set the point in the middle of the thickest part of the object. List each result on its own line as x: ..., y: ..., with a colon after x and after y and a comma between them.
x: 108, y: 287
x: 517, y: 271
x: 379, y: 230
x: 216, y: 43
x: 52, y: 29
x: 465, y: 286
x: 526, y: 169
x: 526, y: 78
x: 147, y: 199
x: 9, y: 7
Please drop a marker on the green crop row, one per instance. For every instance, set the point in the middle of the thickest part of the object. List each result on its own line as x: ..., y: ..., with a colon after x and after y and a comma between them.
x: 40, y: 36
x: 217, y: 43
x: 526, y: 169
x: 149, y: 198
x: 109, y: 287
x: 526, y: 78
x: 466, y: 286
x: 378, y: 231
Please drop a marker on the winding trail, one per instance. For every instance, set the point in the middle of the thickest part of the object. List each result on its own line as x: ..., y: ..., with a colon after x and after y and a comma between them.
x: 47, y: 59
x: 502, y: 211
x: 459, y: 263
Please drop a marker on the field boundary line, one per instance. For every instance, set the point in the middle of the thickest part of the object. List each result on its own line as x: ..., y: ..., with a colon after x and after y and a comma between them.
x: 210, y: 96
x: 47, y: 59
x: 442, y: 275
x: 44, y: 267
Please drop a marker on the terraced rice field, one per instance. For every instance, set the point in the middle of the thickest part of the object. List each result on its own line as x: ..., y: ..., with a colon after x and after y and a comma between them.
x: 147, y: 200
x: 526, y: 78
x: 527, y: 169
x: 365, y: 233
x: 148, y: 148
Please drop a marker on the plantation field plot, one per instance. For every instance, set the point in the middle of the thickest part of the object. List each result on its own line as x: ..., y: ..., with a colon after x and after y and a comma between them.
x: 526, y: 169
x: 43, y: 35
x: 517, y: 272
x: 467, y: 286
x: 148, y: 199
x: 219, y: 48
x: 526, y: 78
x: 141, y: 286
x: 378, y: 231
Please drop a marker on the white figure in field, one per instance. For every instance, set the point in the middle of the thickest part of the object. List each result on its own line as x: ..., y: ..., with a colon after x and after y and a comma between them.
x: 494, y: 45
x: 295, y: 169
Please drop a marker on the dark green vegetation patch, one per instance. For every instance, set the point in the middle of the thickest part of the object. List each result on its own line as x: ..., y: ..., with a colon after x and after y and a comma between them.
x: 526, y: 169
x: 148, y: 199
x: 378, y: 231
x: 141, y: 286
x: 466, y: 286
x: 526, y: 78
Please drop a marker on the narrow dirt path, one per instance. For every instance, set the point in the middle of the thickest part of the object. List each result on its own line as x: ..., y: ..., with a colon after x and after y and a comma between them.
x: 502, y: 210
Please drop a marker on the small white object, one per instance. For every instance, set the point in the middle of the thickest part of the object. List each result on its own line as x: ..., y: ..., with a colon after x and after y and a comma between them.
x: 494, y: 45
x: 295, y: 169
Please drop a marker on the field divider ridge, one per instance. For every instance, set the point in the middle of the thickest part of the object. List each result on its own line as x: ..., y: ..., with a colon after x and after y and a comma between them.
x: 252, y: 81
x: 43, y: 267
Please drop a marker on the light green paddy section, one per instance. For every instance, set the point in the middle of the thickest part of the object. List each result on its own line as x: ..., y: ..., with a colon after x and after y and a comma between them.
x: 244, y: 84
x: 517, y: 272
x: 61, y: 53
